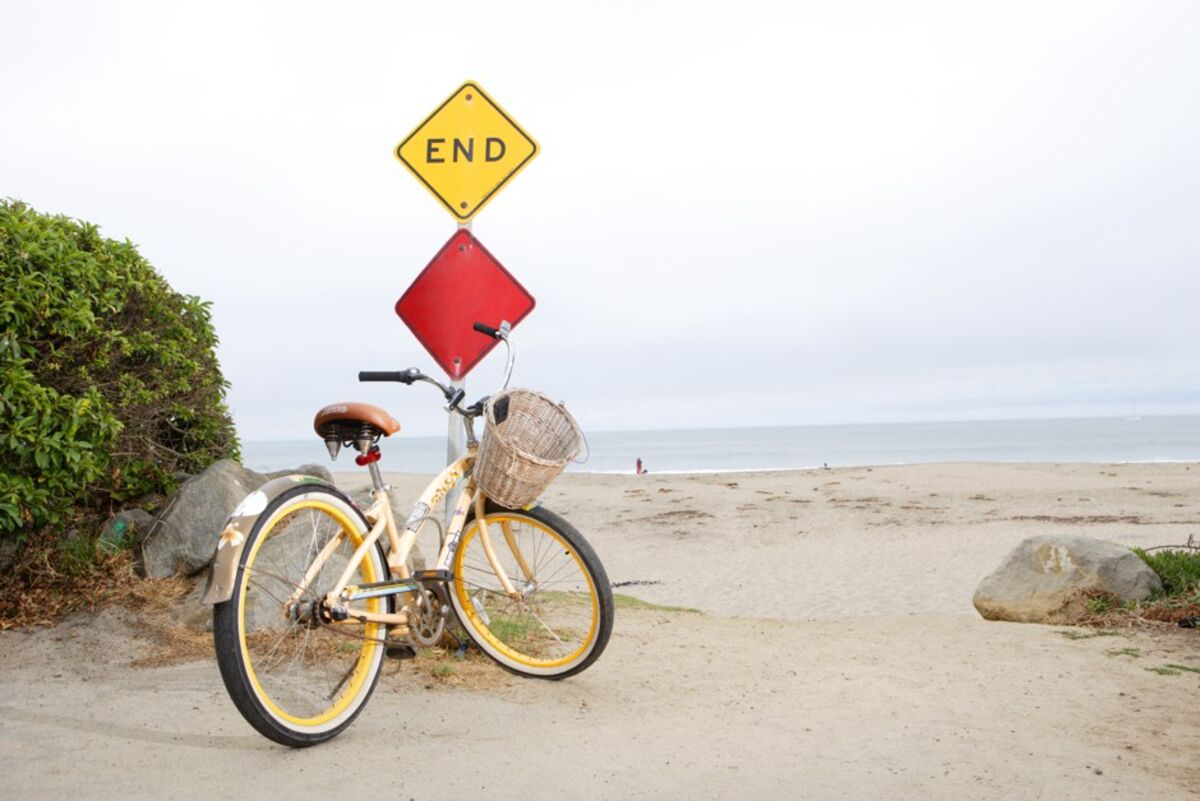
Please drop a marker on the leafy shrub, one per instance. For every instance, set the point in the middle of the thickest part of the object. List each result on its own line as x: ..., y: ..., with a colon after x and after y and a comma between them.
x: 1178, y: 569
x: 109, y: 384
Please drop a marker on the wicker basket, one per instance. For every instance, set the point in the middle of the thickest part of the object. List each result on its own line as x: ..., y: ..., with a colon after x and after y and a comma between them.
x: 527, y: 442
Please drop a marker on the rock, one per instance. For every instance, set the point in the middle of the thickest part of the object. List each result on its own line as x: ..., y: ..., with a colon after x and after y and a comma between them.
x: 129, y: 526
x: 193, y: 613
x: 185, y: 531
x: 8, y: 553
x: 314, y: 470
x: 1042, y: 580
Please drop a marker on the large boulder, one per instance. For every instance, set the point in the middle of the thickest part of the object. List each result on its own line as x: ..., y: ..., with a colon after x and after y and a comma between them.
x: 184, y: 535
x: 1045, y: 579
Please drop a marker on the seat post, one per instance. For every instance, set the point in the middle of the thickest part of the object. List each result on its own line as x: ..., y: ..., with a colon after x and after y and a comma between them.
x: 376, y: 476
x: 369, y: 457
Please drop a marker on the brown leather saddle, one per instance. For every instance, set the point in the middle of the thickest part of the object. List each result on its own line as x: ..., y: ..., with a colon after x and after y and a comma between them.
x: 348, y: 422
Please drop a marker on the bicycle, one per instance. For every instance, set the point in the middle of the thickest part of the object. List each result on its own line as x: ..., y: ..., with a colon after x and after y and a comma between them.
x: 308, y: 602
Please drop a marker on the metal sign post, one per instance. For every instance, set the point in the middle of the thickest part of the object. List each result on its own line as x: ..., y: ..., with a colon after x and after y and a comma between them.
x: 456, y: 438
x: 456, y: 448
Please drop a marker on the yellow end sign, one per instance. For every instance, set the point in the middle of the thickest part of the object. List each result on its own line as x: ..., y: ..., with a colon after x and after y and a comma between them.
x: 466, y: 150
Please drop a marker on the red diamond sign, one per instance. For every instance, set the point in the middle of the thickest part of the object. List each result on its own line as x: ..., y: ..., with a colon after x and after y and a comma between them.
x: 463, y: 285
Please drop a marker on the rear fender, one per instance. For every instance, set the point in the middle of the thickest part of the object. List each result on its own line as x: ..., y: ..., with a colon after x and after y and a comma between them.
x: 232, y: 539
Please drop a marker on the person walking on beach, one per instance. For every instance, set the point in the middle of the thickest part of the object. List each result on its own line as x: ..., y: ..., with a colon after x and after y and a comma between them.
x: 640, y: 469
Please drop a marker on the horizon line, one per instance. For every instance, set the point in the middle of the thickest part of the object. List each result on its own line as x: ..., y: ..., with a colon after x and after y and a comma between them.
x: 777, y: 426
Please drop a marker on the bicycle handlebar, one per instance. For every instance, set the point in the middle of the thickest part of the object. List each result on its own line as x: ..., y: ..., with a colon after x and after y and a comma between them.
x: 454, y: 396
x: 494, y: 333
x: 403, y: 376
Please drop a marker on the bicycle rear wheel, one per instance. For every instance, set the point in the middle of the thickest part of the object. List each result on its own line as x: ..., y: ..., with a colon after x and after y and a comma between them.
x: 562, y: 620
x: 296, y: 678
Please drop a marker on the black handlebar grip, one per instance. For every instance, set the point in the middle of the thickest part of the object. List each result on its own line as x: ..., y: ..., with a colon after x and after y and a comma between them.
x: 403, y: 376
x: 494, y: 333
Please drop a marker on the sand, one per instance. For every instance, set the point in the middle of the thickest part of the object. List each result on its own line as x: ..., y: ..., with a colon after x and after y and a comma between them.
x: 835, y: 654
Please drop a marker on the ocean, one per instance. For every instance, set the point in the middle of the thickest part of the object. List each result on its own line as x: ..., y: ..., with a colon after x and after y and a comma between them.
x: 1148, y: 439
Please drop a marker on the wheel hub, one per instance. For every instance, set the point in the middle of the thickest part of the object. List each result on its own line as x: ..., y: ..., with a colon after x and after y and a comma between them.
x: 307, y: 613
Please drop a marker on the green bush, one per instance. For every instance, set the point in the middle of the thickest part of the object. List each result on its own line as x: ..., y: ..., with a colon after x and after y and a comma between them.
x: 109, y: 384
x: 1178, y: 569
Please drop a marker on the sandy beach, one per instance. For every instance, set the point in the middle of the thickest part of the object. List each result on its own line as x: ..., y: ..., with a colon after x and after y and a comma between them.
x: 833, y: 654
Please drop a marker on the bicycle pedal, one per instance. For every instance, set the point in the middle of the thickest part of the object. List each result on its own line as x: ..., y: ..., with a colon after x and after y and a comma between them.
x: 433, y: 575
x: 398, y: 651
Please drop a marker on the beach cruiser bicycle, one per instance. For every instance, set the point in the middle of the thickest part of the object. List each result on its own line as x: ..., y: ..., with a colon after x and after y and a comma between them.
x: 311, y: 592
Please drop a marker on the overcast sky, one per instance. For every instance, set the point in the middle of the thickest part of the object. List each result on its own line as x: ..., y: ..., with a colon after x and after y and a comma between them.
x: 743, y: 213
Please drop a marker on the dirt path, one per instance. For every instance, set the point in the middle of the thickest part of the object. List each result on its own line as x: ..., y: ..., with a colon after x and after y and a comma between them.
x: 682, y: 706
x: 838, y: 656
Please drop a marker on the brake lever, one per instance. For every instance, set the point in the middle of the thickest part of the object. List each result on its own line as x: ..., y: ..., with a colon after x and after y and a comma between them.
x: 476, y: 408
x: 455, y: 399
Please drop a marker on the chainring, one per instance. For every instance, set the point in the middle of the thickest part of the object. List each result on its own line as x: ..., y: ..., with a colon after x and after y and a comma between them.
x: 427, y: 619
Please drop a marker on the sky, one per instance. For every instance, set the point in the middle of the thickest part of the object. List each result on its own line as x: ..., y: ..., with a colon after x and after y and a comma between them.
x: 744, y: 213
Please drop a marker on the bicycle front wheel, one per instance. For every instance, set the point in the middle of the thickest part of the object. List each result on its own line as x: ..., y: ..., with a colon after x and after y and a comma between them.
x: 561, y: 618
x: 296, y: 676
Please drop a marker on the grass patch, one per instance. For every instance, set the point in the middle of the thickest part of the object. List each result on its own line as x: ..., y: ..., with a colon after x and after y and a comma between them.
x: 1171, y: 669
x: 629, y: 602
x: 1163, y: 671
x: 1133, y: 652
x: 1100, y: 604
x: 514, y: 629
x: 443, y: 667
x: 1184, y: 668
x: 1072, y: 634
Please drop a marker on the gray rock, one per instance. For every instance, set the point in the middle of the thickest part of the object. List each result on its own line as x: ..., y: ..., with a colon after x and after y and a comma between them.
x: 8, y: 553
x: 191, y: 612
x: 314, y: 470
x: 185, y: 532
x: 1043, y: 579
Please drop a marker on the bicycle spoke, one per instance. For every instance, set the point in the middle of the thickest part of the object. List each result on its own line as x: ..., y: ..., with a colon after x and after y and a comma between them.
x: 547, y: 628
x: 263, y: 589
x: 341, y: 683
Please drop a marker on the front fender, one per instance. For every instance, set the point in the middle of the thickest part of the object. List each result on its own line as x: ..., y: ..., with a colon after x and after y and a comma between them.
x: 232, y: 538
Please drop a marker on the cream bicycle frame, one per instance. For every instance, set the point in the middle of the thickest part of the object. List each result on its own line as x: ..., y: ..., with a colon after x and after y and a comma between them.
x: 400, y: 543
x: 382, y: 519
